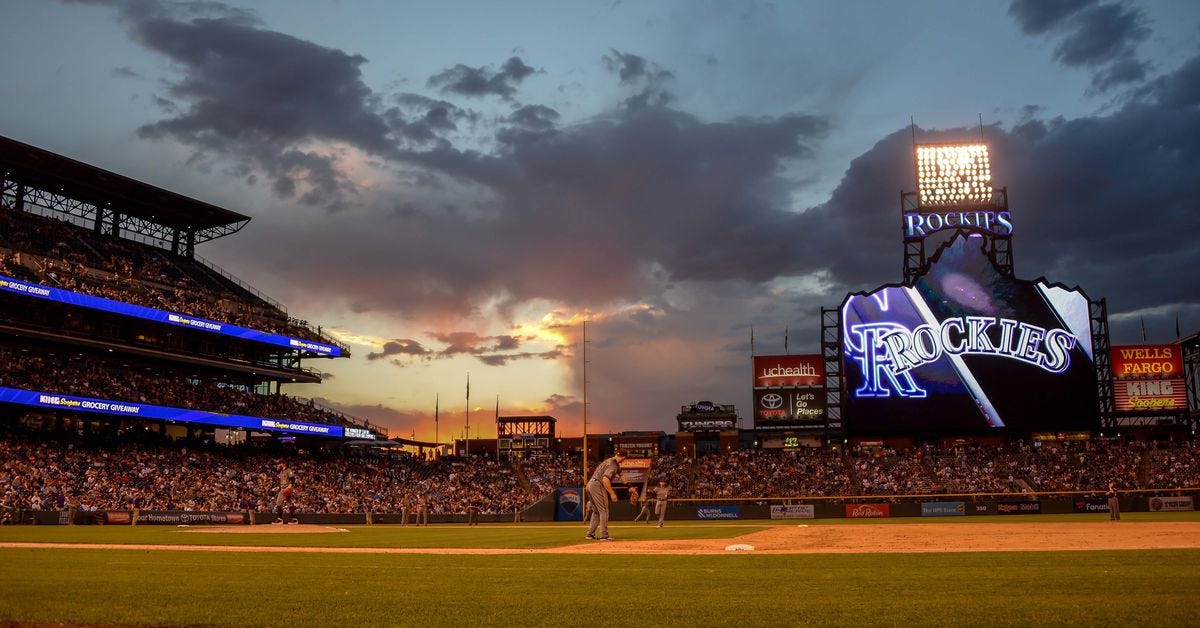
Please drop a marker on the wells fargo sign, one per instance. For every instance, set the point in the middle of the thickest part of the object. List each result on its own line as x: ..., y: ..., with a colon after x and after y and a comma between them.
x: 1159, y: 361
x: 1148, y: 378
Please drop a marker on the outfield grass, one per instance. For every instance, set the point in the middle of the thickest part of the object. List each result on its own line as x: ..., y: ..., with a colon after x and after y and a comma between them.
x: 148, y: 587
x: 306, y: 589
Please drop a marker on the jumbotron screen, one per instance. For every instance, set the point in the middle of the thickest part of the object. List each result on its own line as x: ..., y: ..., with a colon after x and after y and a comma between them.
x: 967, y: 349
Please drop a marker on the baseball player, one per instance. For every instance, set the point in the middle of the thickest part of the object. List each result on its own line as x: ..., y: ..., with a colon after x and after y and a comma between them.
x: 1114, y: 503
x: 405, y: 506
x: 422, y: 510
x: 287, y: 479
x: 643, y: 500
x: 660, y: 502
x: 600, y: 491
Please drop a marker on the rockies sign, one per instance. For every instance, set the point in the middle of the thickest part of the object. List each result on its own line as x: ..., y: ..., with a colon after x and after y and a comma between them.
x: 787, y: 408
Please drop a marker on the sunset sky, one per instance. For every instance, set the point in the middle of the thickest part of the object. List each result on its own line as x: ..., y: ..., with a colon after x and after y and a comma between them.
x: 454, y: 187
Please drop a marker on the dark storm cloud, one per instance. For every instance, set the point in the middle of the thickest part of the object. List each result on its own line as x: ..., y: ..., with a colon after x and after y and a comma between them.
x: 588, y: 214
x: 647, y: 77
x: 423, y: 120
x: 534, y: 117
x: 1038, y: 16
x: 256, y: 95
x: 1100, y: 36
x: 400, y: 346
x: 482, y: 81
x: 490, y: 350
x: 501, y: 359
x: 633, y: 68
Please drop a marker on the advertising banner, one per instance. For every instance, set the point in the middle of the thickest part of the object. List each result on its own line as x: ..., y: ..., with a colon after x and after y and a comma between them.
x: 1150, y: 395
x: 784, y: 408
x: 868, y: 511
x: 794, y: 511
x: 718, y: 512
x: 789, y: 371
x: 943, y: 509
x: 635, y: 470
x: 1171, y: 504
x: 173, y: 517
x: 159, y: 316
x: 1018, y: 508
x: 568, y: 504
x: 706, y: 425
x: 1090, y: 504
x: 967, y: 349
x: 147, y: 411
x: 1153, y: 361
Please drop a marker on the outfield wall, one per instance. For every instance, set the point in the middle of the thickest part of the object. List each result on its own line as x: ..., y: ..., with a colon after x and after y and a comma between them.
x: 678, y: 510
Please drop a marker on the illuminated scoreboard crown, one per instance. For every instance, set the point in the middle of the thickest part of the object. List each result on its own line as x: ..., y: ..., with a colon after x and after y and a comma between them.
x: 955, y: 193
x: 953, y: 175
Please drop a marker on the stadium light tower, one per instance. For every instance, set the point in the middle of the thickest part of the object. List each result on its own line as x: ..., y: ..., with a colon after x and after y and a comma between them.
x: 954, y: 193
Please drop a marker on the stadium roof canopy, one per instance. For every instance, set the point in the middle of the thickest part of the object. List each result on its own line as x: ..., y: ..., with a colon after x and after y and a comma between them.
x: 39, y: 177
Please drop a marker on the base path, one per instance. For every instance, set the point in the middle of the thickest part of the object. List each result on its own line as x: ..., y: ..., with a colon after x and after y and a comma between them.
x: 795, y: 539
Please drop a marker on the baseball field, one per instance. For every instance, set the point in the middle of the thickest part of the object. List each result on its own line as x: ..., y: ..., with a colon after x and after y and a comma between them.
x: 1065, y: 569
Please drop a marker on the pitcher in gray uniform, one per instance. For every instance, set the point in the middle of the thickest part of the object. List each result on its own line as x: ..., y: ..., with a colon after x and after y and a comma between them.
x: 600, y: 490
x: 660, y: 502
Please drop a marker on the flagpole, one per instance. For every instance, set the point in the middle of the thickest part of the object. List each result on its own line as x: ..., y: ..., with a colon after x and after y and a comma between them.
x: 436, y: 402
x: 498, y: 428
x: 585, y: 414
x: 467, y: 439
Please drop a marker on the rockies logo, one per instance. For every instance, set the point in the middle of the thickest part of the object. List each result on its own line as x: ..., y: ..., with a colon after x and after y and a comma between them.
x: 772, y: 401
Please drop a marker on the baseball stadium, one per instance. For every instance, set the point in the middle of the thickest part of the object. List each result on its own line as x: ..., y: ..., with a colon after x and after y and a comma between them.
x: 967, y: 447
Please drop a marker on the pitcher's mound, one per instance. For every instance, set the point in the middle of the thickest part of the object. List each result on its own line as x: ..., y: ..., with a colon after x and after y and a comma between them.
x: 265, y: 529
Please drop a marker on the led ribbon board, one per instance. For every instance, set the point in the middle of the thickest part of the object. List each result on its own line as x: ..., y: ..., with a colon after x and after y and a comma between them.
x: 146, y: 411
x: 59, y: 295
x: 954, y: 190
x: 967, y: 348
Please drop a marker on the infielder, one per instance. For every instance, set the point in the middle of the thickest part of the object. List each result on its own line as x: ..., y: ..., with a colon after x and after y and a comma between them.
x: 644, y: 502
x: 660, y: 502
x: 599, y: 491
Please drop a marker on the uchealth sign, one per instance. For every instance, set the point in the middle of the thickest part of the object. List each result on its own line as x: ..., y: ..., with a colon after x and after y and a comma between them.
x: 788, y: 371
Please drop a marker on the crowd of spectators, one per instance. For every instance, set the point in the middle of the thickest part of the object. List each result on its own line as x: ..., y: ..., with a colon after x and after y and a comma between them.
x: 1074, y: 466
x: 46, y: 475
x: 41, y: 474
x: 71, y: 375
x: 1176, y: 467
x: 886, y: 471
x: 974, y: 469
x: 66, y: 256
x: 550, y: 470
x: 770, y: 473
